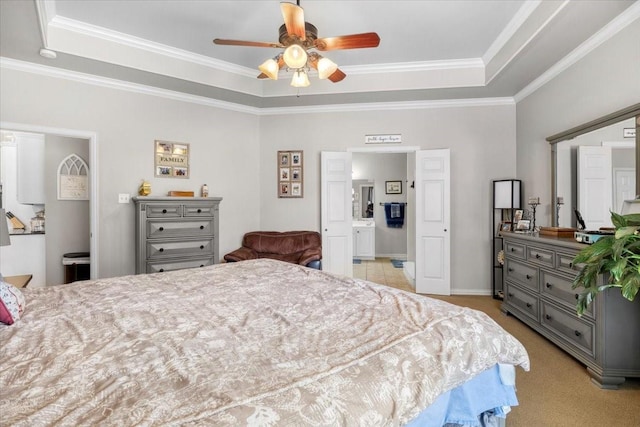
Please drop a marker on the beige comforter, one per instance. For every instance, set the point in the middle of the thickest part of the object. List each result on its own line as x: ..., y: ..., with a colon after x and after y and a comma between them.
x: 256, y: 343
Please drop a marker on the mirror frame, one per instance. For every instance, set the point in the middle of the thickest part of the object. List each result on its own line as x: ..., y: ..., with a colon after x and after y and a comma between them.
x: 609, y: 119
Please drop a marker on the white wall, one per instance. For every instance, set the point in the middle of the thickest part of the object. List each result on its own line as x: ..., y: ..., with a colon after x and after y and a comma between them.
x: 224, y: 152
x: 482, y: 143
x: 604, y: 81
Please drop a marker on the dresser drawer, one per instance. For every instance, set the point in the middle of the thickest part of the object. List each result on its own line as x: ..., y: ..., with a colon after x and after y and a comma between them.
x: 569, y: 327
x: 169, y: 248
x: 198, y: 210
x: 522, y: 274
x: 159, y: 267
x: 560, y: 289
x: 159, y: 229
x: 514, y: 250
x: 528, y: 304
x: 564, y: 263
x: 164, y: 211
x: 540, y: 256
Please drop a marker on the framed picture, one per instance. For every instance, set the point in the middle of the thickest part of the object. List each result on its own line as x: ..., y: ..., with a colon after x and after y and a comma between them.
x: 393, y: 187
x: 523, y: 225
x: 517, y: 216
x: 290, y: 174
x: 171, y: 159
x: 504, y: 226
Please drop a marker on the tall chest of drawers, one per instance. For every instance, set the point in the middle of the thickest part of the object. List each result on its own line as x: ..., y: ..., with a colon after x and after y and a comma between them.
x: 538, y: 276
x: 173, y: 233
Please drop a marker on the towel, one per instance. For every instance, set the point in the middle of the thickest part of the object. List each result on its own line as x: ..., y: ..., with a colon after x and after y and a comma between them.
x: 394, y: 213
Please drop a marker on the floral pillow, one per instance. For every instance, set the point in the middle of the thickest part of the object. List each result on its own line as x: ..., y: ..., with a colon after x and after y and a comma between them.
x: 12, y: 303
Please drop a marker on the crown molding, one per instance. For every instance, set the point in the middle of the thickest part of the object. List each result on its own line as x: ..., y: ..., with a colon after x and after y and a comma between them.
x: 28, y: 67
x: 46, y: 11
x: 618, y: 24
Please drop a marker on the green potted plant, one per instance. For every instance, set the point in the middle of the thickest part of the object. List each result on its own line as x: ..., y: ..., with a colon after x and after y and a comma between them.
x: 617, y: 256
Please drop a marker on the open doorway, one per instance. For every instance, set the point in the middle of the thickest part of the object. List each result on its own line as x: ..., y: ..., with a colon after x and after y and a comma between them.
x: 58, y: 221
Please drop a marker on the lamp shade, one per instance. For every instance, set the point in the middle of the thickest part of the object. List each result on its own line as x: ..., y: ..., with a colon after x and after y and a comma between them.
x: 506, y: 194
x: 4, y: 229
x: 270, y: 68
x: 300, y: 79
x: 295, y: 56
x: 326, y: 67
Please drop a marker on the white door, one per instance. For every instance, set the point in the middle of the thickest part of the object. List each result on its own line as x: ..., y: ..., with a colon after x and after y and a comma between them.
x: 335, y: 216
x: 624, y: 182
x: 595, y: 186
x: 433, y: 246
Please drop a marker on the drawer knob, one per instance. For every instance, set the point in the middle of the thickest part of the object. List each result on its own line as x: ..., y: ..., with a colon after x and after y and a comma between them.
x: 570, y: 265
x: 510, y: 294
x: 202, y: 227
x: 577, y: 296
x: 164, y: 211
x: 201, y: 246
x: 548, y: 285
x: 537, y: 256
x: 162, y: 270
x: 199, y: 210
x: 528, y: 305
x: 547, y: 317
x: 578, y: 333
x: 161, y: 229
x: 509, y: 270
x: 528, y: 277
x: 161, y: 249
x: 201, y: 265
x: 513, y: 249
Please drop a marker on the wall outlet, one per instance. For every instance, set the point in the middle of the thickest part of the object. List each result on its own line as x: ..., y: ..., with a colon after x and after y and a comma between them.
x: 123, y: 198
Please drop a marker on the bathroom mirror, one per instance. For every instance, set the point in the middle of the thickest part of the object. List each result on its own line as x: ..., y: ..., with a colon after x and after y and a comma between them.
x: 617, y: 158
x: 364, y: 199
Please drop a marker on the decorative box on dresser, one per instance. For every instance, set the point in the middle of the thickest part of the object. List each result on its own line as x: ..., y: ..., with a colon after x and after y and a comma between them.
x: 173, y: 233
x: 539, y: 272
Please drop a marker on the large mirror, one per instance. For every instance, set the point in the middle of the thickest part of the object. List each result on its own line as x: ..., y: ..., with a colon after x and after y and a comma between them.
x: 594, y: 169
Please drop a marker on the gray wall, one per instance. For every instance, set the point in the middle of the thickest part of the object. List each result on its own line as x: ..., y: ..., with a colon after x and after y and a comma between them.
x: 482, y: 144
x: 67, y: 221
x: 604, y: 81
x: 224, y: 152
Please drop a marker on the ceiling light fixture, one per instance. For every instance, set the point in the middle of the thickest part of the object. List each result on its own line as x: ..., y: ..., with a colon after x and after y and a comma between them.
x: 300, y: 78
x: 298, y: 39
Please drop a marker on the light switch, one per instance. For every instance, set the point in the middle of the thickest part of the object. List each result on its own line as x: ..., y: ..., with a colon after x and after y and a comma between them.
x: 123, y: 198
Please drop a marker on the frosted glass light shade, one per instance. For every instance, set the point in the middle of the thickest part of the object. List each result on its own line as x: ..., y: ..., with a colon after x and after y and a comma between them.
x: 270, y: 69
x: 506, y: 194
x: 300, y: 79
x: 326, y: 67
x: 295, y: 56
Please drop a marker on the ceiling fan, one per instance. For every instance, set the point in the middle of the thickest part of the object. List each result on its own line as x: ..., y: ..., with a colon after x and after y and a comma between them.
x: 299, y: 39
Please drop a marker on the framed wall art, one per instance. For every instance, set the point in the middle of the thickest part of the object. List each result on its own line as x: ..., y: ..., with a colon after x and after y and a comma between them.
x: 393, y: 187
x: 171, y: 159
x: 290, y: 174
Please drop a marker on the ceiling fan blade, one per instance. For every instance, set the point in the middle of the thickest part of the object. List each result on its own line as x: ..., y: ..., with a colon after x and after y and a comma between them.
x: 227, y: 42
x: 352, y: 41
x: 293, y: 19
x: 337, y: 76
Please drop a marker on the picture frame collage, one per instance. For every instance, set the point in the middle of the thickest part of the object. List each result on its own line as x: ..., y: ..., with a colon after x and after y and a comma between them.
x: 290, y: 174
x: 171, y: 159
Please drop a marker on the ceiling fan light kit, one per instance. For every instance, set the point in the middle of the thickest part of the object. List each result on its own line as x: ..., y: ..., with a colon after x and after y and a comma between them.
x: 298, y: 38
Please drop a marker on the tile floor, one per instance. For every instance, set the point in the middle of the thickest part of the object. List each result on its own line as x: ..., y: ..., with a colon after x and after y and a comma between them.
x: 383, y: 272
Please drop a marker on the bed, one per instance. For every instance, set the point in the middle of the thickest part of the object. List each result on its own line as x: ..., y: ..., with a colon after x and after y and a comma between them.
x: 260, y: 343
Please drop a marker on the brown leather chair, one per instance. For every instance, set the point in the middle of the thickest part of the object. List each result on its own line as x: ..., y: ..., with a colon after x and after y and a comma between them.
x: 298, y: 247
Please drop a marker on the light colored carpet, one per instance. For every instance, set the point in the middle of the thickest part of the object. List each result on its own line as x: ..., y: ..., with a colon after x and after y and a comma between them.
x: 557, y: 391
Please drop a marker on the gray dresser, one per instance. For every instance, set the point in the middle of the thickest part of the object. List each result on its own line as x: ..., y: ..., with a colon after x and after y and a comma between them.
x: 173, y: 233
x: 538, y: 274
